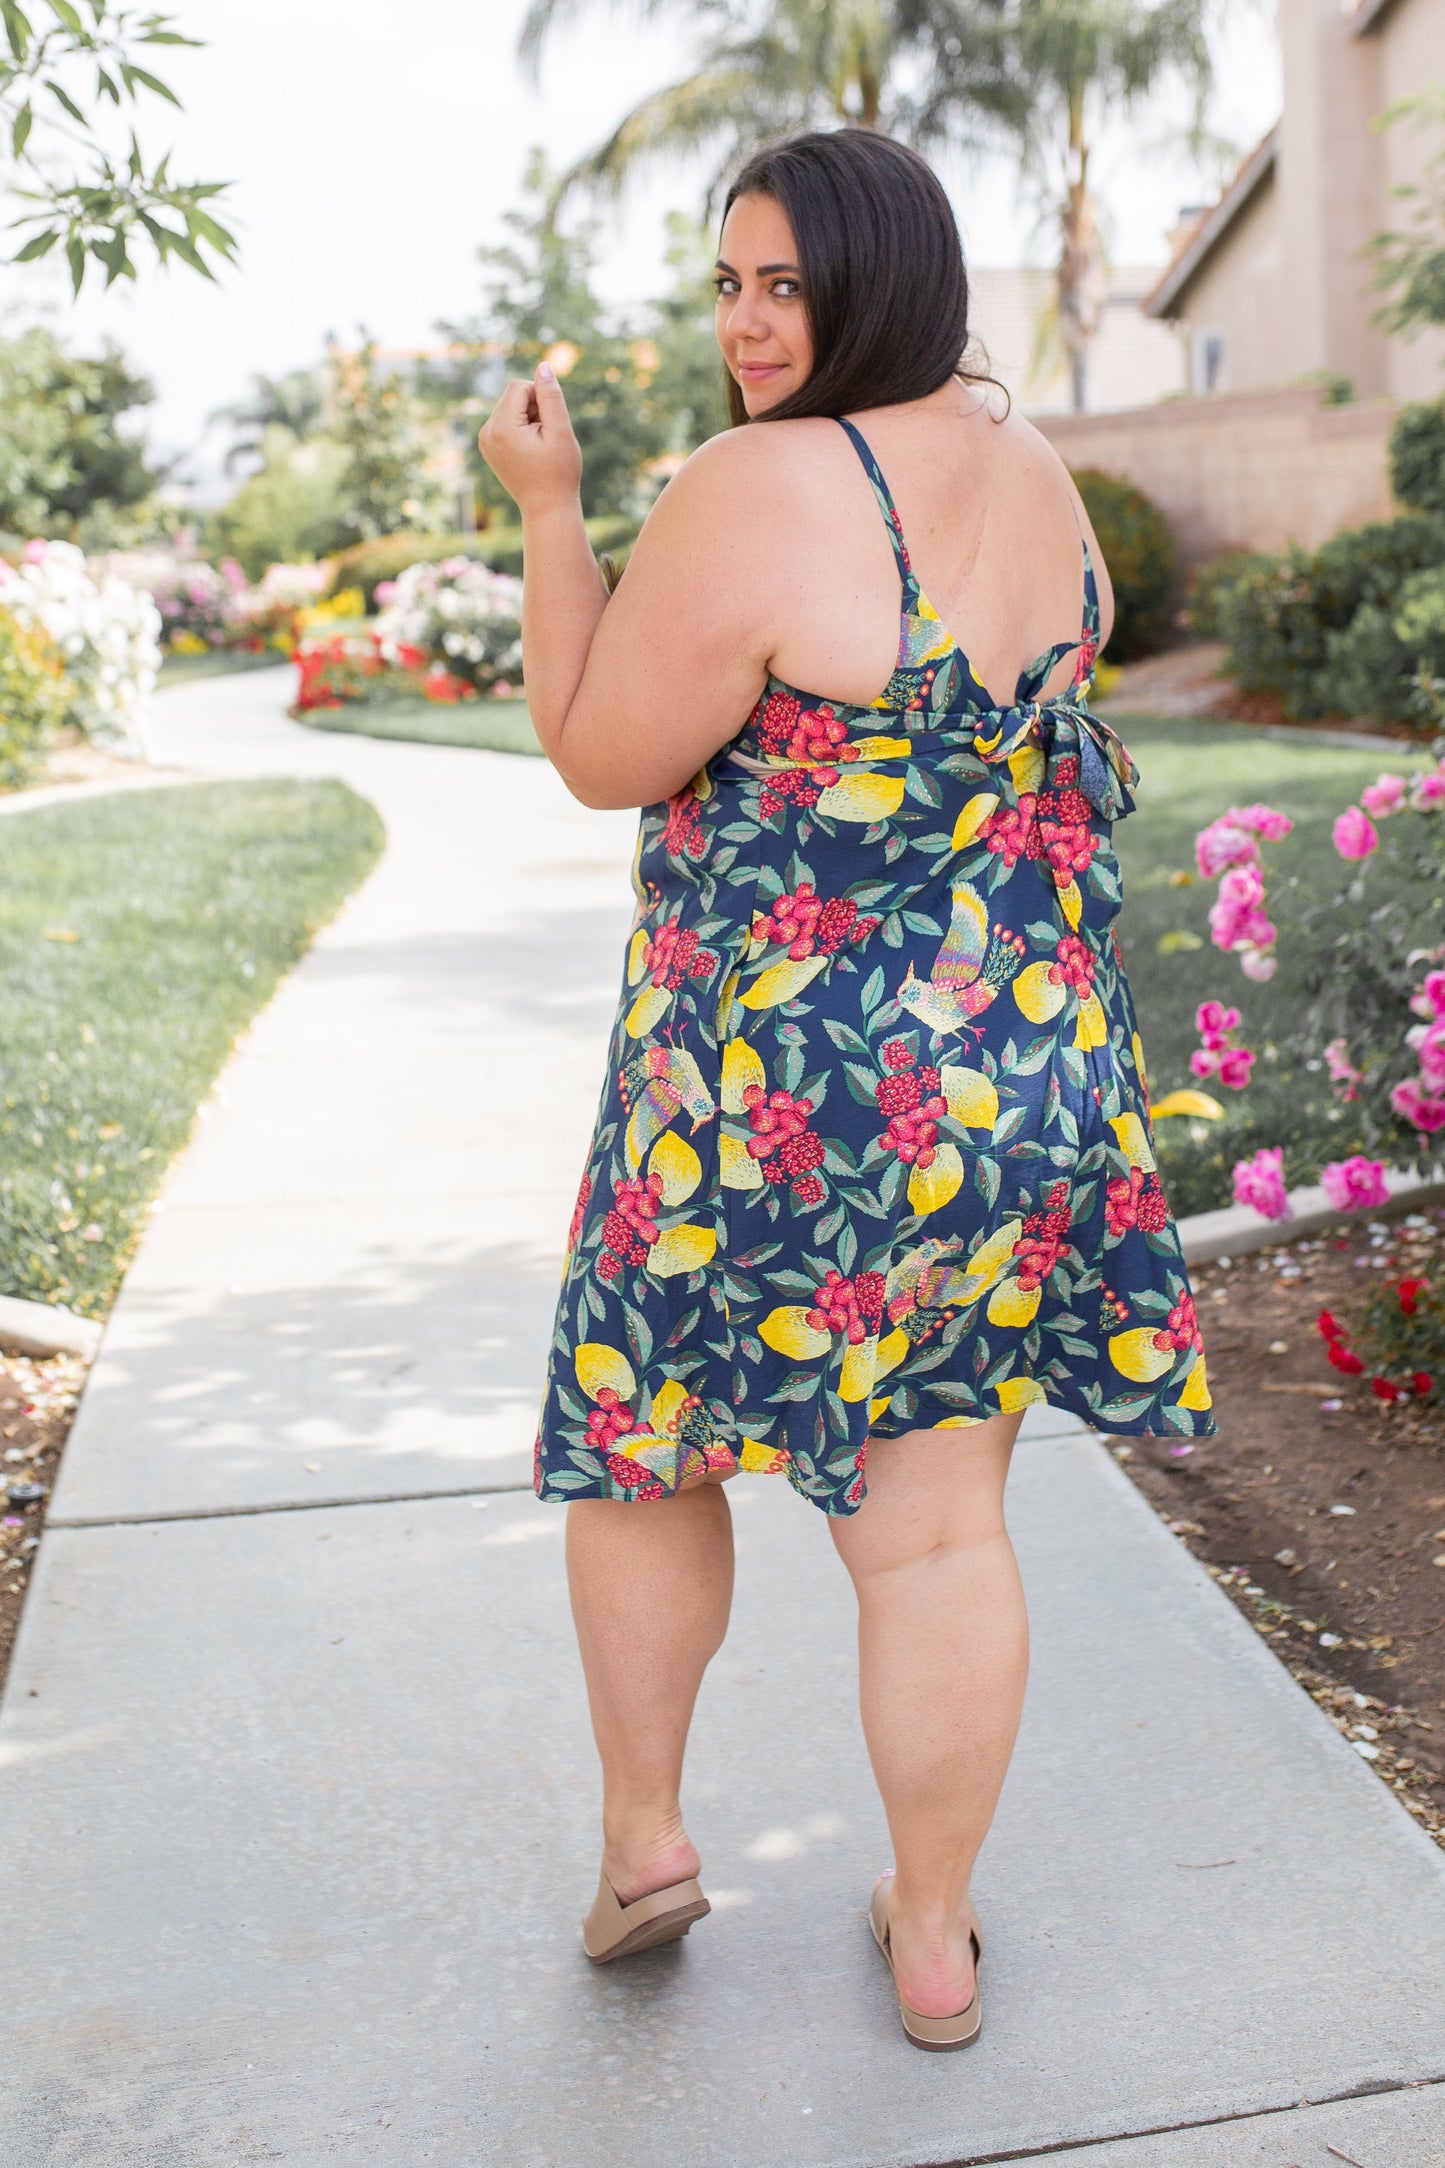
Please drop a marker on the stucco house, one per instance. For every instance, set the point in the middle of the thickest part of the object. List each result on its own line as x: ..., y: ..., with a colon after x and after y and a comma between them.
x: 1273, y: 284
x: 1012, y: 314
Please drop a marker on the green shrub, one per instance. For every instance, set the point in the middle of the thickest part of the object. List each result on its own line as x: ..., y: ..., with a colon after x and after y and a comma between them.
x: 1417, y: 457
x: 1212, y: 581
x: 1420, y: 627
x: 1139, y: 552
x: 1349, y: 628
x: 289, y: 512
x: 1317, y: 628
x: 34, y: 701
x: 366, y: 564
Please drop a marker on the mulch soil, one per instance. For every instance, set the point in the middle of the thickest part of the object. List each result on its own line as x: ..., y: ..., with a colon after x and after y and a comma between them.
x: 1189, y: 680
x: 37, y: 1402
x: 1320, y: 1509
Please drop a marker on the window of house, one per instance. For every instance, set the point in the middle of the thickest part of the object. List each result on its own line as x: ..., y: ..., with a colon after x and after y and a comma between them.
x: 1207, y: 353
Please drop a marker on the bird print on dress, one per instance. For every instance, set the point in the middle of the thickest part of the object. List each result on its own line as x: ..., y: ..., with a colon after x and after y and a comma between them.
x: 974, y: 963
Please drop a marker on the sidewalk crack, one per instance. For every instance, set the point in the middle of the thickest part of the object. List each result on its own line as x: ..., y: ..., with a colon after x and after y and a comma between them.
x: 283, y: 1505
x: 1371, y: 2089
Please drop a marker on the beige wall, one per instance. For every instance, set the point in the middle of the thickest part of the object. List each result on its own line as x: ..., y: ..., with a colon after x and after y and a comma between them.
x: 1331, y: 191
x: 1291, y: 283
x: 1412, y: 53
x: 1237, y: 294
x: 1244, y: 470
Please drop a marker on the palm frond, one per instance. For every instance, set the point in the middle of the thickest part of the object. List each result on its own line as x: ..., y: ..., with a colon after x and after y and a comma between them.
x: 543, y: 16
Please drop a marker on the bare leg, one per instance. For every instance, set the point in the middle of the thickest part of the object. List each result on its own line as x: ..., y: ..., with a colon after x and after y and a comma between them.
x: 651, y: 1589
x: 943, y: 1656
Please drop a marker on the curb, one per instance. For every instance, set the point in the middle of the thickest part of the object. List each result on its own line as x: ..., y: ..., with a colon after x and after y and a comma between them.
x: 42, y: 1328
x: 1239, y: 1228
x: 101, y: 786
x: 1356, y: 741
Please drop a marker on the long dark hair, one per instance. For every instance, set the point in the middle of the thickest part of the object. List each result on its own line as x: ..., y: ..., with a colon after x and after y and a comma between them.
x: 884, y: 282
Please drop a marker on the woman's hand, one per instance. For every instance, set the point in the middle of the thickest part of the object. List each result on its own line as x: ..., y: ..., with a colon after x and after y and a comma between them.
x: 528, y: 443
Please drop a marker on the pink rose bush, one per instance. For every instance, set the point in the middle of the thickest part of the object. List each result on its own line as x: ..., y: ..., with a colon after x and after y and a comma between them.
x: 1384, y: 796
x: 1374, y: 1031
x: 1343, y: 1074
x: 1421, y: 1099
x: 1260, y: 1182
x: 1219, y: 1054
x: 1228, y: 851
x: 1356, y: 835
x: 1355, y: 1184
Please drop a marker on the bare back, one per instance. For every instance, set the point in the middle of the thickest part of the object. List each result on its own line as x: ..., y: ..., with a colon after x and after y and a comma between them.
x: 994, y: 527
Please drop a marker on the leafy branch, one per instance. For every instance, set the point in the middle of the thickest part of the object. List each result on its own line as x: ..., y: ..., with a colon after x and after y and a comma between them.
x: 56, y: 77
x: 1410, y: 264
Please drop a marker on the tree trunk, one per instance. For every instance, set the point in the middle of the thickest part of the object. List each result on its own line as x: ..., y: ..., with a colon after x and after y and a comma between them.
x: 869, y: 94
x: 1081, y: 274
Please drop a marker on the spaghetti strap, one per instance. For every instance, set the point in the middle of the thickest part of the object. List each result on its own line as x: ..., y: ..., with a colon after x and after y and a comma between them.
x: 886, y: 506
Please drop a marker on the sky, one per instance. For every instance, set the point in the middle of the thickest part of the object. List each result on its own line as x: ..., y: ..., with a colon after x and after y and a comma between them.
x: 373, y: 148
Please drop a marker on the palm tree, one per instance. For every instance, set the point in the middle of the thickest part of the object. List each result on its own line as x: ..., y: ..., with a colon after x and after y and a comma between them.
x: 763, y: 73
x: 294, y: 402
x: 1069, y: 61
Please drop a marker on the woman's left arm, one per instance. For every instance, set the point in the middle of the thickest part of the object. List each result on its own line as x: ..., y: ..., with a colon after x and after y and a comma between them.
x: 631, y: 696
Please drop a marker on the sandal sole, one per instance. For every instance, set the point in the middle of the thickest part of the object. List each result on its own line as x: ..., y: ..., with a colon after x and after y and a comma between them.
x: 667, y: 1927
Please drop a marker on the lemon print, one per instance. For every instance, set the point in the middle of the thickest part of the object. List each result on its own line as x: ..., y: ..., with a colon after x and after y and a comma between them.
x: 1137, y: 1355
x: 681, y: 1249
x: 788, y: 1332
x: 598, y: 1366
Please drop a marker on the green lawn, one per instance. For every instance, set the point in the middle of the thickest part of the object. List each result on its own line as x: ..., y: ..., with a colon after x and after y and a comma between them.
x: 139, y: 934
x: 220, y: 662
x: 1190, y: 772
x: 495, y: 726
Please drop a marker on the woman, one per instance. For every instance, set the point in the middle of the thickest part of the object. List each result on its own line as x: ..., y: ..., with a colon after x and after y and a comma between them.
x: 872, y: 1171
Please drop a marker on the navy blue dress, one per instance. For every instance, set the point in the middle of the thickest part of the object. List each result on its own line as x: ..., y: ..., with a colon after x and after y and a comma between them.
x: 874, y: 1151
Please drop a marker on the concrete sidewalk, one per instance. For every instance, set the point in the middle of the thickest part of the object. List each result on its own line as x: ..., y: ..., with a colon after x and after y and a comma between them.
x: 294, y: 1771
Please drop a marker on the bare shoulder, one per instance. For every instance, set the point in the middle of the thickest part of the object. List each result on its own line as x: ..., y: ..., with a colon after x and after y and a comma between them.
x: 744, y: 489
x: 1028, y: 451
x: 765, y: 456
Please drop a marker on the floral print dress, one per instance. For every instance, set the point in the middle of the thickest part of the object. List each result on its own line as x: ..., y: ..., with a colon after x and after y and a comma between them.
x: 874, y: 1151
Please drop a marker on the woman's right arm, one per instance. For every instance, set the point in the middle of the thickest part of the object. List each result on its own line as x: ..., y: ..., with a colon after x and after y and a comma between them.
x: 637, y: 692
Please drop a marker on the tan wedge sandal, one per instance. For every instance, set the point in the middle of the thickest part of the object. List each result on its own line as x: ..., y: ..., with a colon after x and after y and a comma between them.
x: 617, y: 1930
x: 938, y: 2033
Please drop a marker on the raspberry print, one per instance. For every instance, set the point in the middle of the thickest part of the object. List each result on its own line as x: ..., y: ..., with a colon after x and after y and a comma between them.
x: 1013, y: 833
x: 628, y: 1230
x: 1069, y: 848
x: 610, y: 1419
x: 913, y: 1132
x: 1181, y: 1328
x: 782, y: 1140
x: 868, y: 1292
x: 1074, y: 965
x: 800, y: 787
x: 1044, y: 1239
x: 769, y: 1125
x: 791, y: 921
x: 579, y: 1211
x: 1153, y: 1210
x: 682, y: 836
x: 850, y: 1307
x: 633, y: 1477
x: 774, y: 720
x: 816, y: 738
x: 899, y: 1094
x: 672, y: 955
x: 1121, y: 1201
